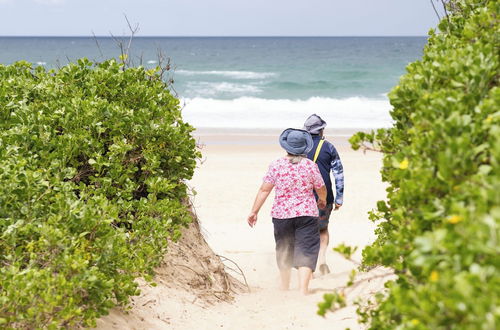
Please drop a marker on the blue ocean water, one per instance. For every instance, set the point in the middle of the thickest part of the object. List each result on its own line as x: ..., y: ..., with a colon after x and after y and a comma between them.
x: 255, y: 81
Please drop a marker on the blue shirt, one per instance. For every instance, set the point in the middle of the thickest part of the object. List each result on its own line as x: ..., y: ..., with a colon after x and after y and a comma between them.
x: 329, y: 160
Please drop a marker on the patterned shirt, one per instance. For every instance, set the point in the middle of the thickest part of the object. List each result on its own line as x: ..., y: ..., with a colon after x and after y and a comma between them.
x: 294, y: 185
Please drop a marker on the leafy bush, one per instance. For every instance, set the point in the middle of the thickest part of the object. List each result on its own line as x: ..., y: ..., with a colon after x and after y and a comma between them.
x: 93, y: 159
x: 439, y: 228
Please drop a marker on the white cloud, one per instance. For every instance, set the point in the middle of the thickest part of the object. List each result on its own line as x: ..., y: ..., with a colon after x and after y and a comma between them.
x: 49, y: 2
x: 5, y: 1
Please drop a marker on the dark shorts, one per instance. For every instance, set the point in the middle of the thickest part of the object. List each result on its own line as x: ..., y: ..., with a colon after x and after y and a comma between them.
x: 297, y: 242
x: 324, y: 216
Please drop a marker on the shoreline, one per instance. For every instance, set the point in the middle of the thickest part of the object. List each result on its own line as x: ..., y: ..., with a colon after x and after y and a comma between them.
x: 209, y: 131
x: 264, y: 137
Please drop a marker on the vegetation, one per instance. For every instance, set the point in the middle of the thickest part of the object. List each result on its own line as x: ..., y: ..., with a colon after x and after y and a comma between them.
x: 93, y: 159
x: 439, y: 228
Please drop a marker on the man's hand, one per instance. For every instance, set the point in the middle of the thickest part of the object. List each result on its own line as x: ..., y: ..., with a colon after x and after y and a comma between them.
x: 252, y: 219
x: 337, y: 206
x: 321, y: 203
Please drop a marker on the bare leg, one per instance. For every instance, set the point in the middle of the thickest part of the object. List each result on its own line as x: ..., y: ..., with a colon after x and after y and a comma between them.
x: 304, y: 278
x: 285, y: 279
x: 324, y: 239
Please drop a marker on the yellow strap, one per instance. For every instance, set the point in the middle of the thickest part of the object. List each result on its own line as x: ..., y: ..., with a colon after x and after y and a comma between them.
x: 318, y: 149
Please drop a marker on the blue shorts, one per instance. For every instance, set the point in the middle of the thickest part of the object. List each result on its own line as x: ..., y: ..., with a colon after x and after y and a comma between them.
x: 324, y: 216
x: 297, y: 242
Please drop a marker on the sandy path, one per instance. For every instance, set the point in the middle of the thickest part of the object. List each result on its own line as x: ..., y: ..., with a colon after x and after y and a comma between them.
x: 226, y: 184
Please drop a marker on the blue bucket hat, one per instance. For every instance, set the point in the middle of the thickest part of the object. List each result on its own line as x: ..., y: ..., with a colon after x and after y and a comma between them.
x: 296, y: 141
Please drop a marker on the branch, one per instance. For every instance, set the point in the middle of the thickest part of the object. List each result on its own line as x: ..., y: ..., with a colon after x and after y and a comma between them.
x: 204, y: 276
x: 97, y: 43
x: 241, y: 271
x: 446, y: 12
x: 122, y: 51
x: 133, y: 31
x: 368, y: 279
x: 435, y: 10
x: 367, y: 148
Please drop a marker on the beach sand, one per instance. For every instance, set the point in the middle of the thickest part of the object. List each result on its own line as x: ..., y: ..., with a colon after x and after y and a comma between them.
x: 226, y: 183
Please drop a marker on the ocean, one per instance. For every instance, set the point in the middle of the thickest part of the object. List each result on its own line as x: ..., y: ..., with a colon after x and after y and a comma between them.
x: 255, y: 82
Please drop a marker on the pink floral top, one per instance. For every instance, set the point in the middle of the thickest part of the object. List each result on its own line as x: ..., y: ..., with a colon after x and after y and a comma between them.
x: 294, y: 185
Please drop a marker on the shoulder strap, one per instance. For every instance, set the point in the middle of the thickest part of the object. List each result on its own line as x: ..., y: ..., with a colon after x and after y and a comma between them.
x: 318, y: 149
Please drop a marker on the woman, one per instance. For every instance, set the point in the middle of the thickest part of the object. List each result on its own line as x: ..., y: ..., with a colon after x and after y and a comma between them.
x: 295, y: 211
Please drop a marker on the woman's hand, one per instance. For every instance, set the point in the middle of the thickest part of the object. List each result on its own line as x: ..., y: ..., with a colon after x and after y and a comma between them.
x: 262, y: 194
x: 252, y: 219
x: 321, y: 203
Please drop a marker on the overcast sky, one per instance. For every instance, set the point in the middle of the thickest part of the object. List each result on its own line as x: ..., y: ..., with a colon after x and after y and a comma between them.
x: 218, y: 17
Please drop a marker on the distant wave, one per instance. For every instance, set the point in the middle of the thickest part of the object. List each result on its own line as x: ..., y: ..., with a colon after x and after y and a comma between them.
x: 229, y: 74
x: 152, y: 62
x: 314, y: 84
x: 211, y: 89
x: 252, y: 112
x: 293, y: 85
x: 41, y: 63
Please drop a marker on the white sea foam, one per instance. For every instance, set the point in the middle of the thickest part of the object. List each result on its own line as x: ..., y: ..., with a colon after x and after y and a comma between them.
x: 152, y: 62
x: 252, y: 112
x: 211, y: 89
x: 41, y: 63
x: 229, y: 74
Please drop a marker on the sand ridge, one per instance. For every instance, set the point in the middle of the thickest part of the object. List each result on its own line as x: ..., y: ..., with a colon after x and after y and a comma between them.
x: 226, y: 183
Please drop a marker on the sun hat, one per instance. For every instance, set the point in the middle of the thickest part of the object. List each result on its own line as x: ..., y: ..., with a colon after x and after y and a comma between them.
x: 314, y: 124
x: 296, y: 141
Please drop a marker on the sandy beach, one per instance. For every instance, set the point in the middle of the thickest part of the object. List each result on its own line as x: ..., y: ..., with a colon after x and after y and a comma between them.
x: 225, y: 183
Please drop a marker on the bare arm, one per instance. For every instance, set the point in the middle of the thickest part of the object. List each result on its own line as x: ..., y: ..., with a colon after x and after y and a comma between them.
x: 321, y: 196
x: 261, y: 197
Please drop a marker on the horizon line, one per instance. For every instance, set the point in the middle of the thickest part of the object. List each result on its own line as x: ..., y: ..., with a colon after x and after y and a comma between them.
x: 214, y: 36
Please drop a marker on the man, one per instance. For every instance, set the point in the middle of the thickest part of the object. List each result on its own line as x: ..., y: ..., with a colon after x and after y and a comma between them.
x: 325, y: 155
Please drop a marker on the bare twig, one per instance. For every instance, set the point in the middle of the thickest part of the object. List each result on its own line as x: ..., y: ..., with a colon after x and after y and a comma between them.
x: 58, y: 64
x: 366, y: 148
x: 97, y: 44
x: 170, y: 83
x: 125, y: 49
x: 368, y: 279
x: 446, y: 12
x: 163, y: 63
x: 204, y: 276
x: 232, y: 269
x: 141, y: 58
x: 435, y: 10
x: 133, y: 31
x: 122, y: 50
x: 241, y: 271
x: 214, y: 293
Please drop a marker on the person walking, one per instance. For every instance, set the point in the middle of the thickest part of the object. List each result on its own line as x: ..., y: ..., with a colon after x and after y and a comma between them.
x: 295, y: 210
x: 326, y: 156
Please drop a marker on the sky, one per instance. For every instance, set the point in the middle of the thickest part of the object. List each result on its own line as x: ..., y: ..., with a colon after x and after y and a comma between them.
x: 217, y: 17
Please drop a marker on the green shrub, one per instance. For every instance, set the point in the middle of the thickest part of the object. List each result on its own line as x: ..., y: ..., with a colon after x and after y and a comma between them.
x: 93, y: 159
x: 439, y: 229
